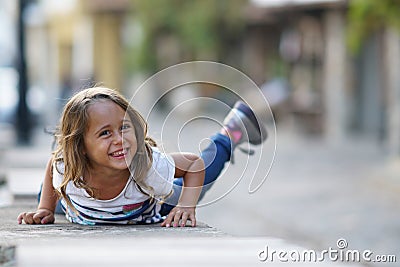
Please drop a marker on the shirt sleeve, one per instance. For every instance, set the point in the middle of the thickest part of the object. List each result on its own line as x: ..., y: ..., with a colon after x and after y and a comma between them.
x: 161, y: 174
x: 58, y: 170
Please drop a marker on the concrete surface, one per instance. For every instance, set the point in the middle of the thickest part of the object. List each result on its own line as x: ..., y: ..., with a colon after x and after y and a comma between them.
x: 170, y: 251
x: 66, y: 244
x: 11, y: 232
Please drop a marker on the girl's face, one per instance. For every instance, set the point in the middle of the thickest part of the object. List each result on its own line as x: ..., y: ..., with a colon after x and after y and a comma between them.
x: 104, y: 145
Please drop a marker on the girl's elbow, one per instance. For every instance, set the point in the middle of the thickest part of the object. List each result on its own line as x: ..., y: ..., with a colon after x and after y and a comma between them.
x: 200, y: 165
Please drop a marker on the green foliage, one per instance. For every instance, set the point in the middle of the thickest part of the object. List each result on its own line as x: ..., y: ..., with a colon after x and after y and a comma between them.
x: 368, y: 16
x: 200, y: 26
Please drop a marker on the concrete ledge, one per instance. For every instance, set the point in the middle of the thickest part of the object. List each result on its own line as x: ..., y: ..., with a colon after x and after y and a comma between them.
x: 189, y: 251
x: 166, y: 251
x: 13, y: 233
x: 67, y: 244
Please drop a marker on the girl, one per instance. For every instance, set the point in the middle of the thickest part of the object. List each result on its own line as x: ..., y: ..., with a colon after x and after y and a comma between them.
x: 106, y: 169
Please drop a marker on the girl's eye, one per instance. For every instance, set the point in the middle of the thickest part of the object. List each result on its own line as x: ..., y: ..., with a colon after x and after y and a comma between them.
x: 106, y: 132
x: 125, y: 126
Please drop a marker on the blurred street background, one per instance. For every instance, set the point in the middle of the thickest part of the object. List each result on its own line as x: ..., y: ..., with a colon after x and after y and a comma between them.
x: 329, y: 69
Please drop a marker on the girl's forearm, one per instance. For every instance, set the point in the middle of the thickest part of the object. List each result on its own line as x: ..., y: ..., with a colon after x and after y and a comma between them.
x: 193, y: 181
x: 49, y: 197
x: 48, y: 201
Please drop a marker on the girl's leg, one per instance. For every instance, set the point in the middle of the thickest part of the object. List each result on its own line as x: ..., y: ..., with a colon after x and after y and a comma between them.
x: 240, y: 125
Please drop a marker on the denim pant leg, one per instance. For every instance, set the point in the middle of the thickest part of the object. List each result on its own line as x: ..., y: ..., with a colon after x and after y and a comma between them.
x: 217, y: 153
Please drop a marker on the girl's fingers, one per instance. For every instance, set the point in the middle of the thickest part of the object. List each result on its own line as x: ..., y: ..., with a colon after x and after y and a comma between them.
x: 28, y: 218
x: 184, y: 218
x: 173, y: 218
x: 37, y: 218
x: 193, y: 219
x: 34, y: 218
x: 20, y: 217
x: 167, y: 222
x: 47, y: 219
x: 177, y: 218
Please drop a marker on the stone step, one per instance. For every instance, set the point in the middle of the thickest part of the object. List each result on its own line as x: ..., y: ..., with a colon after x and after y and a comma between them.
x: 163, y: 251
x: 24, y: 181
x: 67, y: 244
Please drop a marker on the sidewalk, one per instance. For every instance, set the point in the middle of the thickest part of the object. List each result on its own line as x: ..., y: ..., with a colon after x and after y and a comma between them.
x: 66, y: 244
x: 315, y: 194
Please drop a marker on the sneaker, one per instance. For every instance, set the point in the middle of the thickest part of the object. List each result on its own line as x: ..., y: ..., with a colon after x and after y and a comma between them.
x: 242, y: 126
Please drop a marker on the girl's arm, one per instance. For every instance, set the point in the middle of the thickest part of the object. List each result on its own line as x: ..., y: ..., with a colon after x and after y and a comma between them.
x: 191, y: 168
x: 48, y: 201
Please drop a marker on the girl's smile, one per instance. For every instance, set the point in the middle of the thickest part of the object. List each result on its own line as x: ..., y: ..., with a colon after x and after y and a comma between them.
x: 119, y: 154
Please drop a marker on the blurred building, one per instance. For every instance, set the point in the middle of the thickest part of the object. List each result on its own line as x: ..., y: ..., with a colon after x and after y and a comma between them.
x: 334, y: 93
x: 70, y: 44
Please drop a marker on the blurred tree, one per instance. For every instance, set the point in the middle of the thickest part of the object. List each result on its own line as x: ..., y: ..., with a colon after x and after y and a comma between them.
x: 380, y: 90
x: 368, y: 16
x: 202, y: 29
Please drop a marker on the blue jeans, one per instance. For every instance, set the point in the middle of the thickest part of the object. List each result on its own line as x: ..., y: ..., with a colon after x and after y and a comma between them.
x: 215, y: 155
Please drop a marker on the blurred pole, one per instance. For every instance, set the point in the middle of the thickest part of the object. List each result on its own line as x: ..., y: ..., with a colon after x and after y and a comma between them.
x: 392, y: 65
x: 23, y: 119
x: 107, y: 48
x: 334, y: 81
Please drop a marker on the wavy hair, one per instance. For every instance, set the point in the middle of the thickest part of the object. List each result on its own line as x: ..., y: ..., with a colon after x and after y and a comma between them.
x: 70, y: 141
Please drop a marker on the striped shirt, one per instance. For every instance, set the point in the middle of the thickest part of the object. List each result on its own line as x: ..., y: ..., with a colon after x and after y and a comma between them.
x: 131, y: 206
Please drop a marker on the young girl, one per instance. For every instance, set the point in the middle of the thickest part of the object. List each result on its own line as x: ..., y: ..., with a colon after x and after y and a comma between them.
x: 106, y: 169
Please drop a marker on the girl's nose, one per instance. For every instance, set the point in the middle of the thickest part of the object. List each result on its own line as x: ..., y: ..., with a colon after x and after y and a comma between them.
x: 117, y: 138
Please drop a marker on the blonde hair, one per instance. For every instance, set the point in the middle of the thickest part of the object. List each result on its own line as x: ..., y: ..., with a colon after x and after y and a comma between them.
x: 70, y: 141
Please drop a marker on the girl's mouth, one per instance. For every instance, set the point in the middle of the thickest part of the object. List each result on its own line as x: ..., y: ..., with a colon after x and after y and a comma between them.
x: 119, y: 154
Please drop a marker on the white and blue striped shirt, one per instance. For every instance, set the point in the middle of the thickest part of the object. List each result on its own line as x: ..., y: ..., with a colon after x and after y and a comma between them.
x: 131, y: 206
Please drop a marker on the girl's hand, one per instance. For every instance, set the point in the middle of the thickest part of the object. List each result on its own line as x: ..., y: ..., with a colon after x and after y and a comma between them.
x: 178, y: 216
x: 41, y: 216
